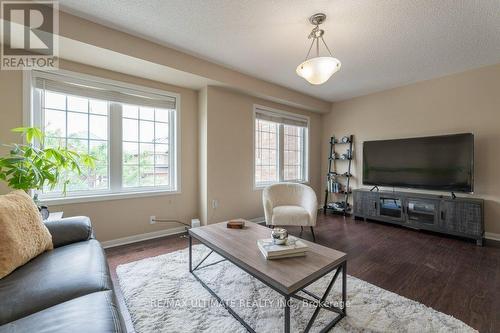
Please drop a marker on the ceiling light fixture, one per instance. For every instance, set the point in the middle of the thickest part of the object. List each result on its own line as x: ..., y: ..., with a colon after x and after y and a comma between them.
x: 318, y: 70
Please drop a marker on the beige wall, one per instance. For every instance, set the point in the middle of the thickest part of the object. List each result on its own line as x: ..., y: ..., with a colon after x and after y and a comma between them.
x: 465, y: 102
x: 11, y: 112
x: 125, y: 217
x: 230, y: 154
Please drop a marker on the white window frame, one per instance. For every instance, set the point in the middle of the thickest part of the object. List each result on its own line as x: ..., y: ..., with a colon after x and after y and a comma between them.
x: 264, y: 109
x: 32, y: 118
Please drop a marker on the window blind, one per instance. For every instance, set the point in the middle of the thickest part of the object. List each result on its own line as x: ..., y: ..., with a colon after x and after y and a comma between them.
x: 108, y: 92
x: 280, y: 118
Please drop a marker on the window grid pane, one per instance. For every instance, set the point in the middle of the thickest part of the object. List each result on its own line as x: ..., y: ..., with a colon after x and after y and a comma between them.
x: 266, y: 151
x: 279, y: 152
x: 146, y: 159
x: 293, y: 153
x: 66, y: 123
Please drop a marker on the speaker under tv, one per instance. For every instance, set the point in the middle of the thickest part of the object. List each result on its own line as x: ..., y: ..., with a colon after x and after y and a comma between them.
x: 439, y: 163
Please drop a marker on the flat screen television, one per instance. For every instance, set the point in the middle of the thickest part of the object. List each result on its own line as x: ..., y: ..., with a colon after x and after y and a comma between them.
x: 440, y: 163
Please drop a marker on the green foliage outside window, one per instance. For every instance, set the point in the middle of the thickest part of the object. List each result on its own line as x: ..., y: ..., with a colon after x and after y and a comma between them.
x: 34, y: 166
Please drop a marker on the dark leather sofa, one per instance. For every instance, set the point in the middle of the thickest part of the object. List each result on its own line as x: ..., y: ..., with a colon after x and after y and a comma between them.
x: 68, y: 289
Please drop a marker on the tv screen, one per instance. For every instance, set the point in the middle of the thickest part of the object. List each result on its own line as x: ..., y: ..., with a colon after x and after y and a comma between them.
x: 442, y: 163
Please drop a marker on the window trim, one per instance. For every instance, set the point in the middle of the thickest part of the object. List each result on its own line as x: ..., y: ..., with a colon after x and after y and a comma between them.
x: 29, y: 117
x: 257, y: 108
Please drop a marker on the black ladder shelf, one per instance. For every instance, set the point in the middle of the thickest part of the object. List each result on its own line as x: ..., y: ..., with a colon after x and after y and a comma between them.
x: 333, y: 184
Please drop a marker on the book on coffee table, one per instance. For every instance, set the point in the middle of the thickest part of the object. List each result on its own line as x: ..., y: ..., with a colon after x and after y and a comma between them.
x: 294, y: 247
x: 282, y: 256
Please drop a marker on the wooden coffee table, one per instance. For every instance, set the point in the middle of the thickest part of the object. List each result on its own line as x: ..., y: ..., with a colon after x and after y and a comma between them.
x: 286, y: 276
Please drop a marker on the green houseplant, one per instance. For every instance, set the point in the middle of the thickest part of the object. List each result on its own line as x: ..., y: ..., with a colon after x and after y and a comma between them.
x: 33, y: 166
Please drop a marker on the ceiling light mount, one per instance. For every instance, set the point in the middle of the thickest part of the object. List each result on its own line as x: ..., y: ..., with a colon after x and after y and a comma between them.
x: 317, y: 19
x: 319, y: 69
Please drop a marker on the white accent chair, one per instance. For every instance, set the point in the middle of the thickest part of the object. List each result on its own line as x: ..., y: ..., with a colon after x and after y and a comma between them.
x: 290, y: 204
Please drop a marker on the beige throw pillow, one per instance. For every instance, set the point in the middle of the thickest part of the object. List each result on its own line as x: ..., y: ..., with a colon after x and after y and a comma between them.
x: 23, y: 236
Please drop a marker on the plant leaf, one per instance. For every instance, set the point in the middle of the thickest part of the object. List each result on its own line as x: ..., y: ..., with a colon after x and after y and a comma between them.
x: 31, y: 166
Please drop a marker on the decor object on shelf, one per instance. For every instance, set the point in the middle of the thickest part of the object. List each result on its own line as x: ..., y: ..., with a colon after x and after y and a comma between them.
x: 33, y: 166
x: 319, y: 69
x: 346, y: 155
x: 455, y: 216
x: 334, y: 186
x: 333, y: 183
x: 23, y: 236
x: 372, y: 306
x: 290, y: 204
x: 337, y: 206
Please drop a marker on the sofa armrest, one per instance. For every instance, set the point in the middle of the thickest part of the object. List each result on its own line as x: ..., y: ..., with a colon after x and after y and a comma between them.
x: 70, y: 230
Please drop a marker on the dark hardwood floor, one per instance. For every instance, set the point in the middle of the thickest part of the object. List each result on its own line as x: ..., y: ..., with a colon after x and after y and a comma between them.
x: 451, y: 275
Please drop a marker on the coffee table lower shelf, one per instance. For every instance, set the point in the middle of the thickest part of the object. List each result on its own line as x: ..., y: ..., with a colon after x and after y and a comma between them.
x: 319, y: 302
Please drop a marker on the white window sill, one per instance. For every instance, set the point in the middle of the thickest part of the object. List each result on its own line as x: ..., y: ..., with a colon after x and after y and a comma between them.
x: 104, y: 197
x: 260, y: 187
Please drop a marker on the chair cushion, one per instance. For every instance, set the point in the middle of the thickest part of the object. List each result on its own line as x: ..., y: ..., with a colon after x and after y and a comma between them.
x: 290, y: 215
x: 53, y: 277
x: 96, y: 312
x: 23, y: 235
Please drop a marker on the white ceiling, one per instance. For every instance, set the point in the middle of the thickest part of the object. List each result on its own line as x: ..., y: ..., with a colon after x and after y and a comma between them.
x: 381, y: 43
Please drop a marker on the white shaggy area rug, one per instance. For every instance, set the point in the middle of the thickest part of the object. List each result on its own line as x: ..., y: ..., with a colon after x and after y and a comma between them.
x: 162, y: 296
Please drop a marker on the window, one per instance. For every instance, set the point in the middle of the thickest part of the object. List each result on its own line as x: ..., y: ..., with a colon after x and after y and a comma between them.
x: 146, y: 159
x: 280, y: 147
x: 80, y: 124
x: 130, y: 131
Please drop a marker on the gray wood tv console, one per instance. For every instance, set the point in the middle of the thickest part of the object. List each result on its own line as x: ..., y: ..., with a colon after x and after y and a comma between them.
x: 455, y: 216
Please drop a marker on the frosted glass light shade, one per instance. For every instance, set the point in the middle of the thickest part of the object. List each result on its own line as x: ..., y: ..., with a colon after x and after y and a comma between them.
x: 318, y: 70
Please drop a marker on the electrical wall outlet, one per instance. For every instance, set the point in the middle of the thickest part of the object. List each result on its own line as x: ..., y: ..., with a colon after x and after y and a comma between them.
x: 152, y: 219
x: 215, y: 204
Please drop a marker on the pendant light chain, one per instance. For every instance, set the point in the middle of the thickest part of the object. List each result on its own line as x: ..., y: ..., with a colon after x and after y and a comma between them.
x: 312, y: 35
x: 316, y: 38
x: 328, y: 49
x: 308, y: 52
x: 317, y: 46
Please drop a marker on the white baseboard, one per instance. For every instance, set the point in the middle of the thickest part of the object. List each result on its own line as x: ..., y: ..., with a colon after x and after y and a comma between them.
x: 142, y: 237
x: 492, y: 236
x: 261, y: 219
